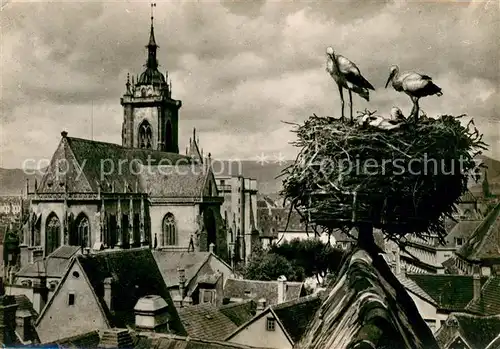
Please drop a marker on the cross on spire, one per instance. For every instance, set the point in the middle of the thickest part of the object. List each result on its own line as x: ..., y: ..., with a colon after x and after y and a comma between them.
x: 153, y: 4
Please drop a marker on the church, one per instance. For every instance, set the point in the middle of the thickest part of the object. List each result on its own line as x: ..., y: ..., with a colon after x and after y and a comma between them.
x: 100, y: 196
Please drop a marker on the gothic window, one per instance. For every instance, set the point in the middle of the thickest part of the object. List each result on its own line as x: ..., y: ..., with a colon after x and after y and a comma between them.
x: 169, y: 237
x: 145, y: 135
x: 81, y: 238
x: 52, y: 233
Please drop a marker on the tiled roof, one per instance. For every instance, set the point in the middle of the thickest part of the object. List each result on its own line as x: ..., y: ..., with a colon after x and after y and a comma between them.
x: 462, y: 229
x: 148, y: 341
x: 23, y: 303
x: 495, y: 343
x: 205, y: 321
x: 412, y: 286
x: 489, y: 302
x: 296, y: 315
x: 175, y: 180
x: 255, y: 289
x: 169, y: 261
x: 367, y: 304
x: 54, y: 265
x: 450, y: 292
x: 485, y: 242
x: 90, y: 156
x: 84, y: 341
x: 477, y: 331
x: 239, y: 313
x: 135, y: 274
x: 353, y: 235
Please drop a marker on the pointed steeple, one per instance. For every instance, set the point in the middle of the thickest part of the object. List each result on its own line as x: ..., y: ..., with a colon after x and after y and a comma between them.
x: 152, y: 62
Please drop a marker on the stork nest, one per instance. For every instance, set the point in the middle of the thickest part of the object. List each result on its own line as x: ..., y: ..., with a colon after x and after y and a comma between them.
x: 403, y: 180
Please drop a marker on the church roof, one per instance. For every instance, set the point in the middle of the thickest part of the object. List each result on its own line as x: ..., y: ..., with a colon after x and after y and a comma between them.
x: 93, y: 164
x: 175, y: 180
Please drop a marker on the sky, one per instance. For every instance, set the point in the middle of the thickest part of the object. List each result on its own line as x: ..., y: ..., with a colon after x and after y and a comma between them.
x: 243, y: 70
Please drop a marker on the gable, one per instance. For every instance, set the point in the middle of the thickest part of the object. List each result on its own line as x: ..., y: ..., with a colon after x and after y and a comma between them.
x: 59, y: 319
x: 64, y: 173
x: 255, y: 333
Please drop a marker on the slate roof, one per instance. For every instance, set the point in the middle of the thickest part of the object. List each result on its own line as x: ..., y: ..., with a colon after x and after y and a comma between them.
x: 484, y: 244
x: 175, y: 180
x: 476, y: 331
x: 366, y: 303
x: 205, y: 321
x: 256, y: 289
x: 169, y: 261
x: 135, y: 274
x: 449, y: 292
x: 55, y: 264
x: 296, y: 315
x: 90, y: 155
x: 489, y: 303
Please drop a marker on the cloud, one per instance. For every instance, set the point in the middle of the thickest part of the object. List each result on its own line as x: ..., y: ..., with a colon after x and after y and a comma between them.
x: 241, y: 68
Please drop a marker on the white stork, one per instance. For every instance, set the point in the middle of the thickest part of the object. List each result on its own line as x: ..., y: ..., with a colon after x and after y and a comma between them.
x: 414, y: 85
x: 347, y: 75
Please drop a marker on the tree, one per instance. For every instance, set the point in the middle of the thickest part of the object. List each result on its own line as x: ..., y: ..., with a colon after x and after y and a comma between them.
x: 314, y: 257
x: 267, y: 266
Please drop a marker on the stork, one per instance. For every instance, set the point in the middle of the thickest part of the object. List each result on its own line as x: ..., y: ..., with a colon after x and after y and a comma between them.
x: 347, y: 75
x: 397, y: 114
x: 414, y: 85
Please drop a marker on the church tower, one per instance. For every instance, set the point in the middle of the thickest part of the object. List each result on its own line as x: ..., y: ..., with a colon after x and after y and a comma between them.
x: 150, y: 114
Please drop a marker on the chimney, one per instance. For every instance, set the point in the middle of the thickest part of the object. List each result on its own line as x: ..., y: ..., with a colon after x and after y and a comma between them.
x: 261, y: 305
x: 115, y: 338
x: 182, y: 281
x: 24, y: 327
x: 40, y: 294
x: 476, y: 283
x: 8, y: 308
x: 211, y: 247
x: 108, y: 292
x: 151, y: 314
x: 281, y: 289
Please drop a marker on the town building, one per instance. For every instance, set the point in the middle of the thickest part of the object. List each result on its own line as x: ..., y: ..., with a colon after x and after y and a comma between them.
x: 193, y: 277
x: 109, y: 289
x: 239, y: 210
x: 273, y: 292
x: 465, y: 331
x: 279, y: 326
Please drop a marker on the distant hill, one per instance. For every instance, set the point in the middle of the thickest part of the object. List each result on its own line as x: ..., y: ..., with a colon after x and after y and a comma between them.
x: 13, y: 181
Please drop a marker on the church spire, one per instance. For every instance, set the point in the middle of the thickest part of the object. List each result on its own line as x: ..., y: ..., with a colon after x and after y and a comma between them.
x: 152, y: 46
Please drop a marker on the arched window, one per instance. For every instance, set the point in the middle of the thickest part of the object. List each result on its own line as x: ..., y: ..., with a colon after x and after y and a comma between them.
x: 52, y: 233
x: 145, y: 135
x: 168, y: 136
x: 81, y: 236
x: 169, y: 237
